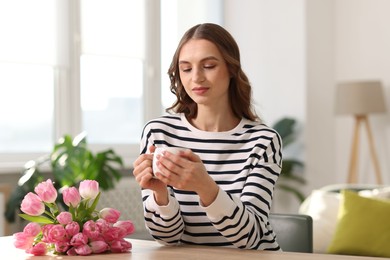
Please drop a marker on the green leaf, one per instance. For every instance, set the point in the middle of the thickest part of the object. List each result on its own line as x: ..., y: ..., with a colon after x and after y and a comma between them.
x: 285, y: 128
x: 299, y: 195
x: 94, y: 204
x: 37, y: 219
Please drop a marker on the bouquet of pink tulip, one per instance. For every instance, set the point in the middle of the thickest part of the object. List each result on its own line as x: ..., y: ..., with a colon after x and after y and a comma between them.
x: 80, y: 231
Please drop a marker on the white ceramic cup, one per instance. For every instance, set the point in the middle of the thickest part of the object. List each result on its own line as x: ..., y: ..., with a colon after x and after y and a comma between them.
x: 160, y: 150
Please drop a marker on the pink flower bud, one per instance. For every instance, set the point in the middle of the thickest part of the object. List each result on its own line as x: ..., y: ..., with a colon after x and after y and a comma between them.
x: 71, y: 251
x: 32, y: 229
x: 91, y: 230
x: 71, y: 196
x: 89, y: 189
x: 103, y: 225
x: 79, y: 239
x: 120, y: 246
x: 72, y: 228
x: 110, y: 215
x: 98, y: 247
x: 112, y: 234
x: 46, y: 191
x: 38, y: 249
x: 32, y: 205
x: 45, y: 232
x: 64, y: 218
x: 127, y: 226
x: 56, y: 234
x: 62, y: 247
x: 23, y: 240
x: 83, y: 250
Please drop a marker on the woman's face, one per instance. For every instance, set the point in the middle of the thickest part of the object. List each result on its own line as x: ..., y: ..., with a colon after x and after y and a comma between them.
x: 204, y: 73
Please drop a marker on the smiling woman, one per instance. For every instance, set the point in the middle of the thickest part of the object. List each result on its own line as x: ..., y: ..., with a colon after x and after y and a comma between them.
x: 217, y: 191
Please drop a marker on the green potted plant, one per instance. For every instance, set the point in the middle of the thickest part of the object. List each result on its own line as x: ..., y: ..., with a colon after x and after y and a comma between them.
x: 71, y: 162
x: 292, y: 169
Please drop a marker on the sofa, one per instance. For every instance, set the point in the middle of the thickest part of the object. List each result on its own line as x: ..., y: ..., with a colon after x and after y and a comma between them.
x: 350, y: 219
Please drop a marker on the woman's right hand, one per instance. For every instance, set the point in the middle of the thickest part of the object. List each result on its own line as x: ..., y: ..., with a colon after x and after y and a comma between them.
x: 143, y: 174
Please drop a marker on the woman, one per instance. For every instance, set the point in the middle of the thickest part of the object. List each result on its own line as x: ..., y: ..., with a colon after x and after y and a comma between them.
x: 218, y: 191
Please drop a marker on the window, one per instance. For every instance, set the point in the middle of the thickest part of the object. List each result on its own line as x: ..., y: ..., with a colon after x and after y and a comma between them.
x: 111, y: 70
x: 87, y: 65
x: 26, y: 75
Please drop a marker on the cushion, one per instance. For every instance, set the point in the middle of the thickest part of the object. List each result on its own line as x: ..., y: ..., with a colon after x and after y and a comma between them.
x: 363, y: 226
x: 383, y: 192
x: 323, y: 207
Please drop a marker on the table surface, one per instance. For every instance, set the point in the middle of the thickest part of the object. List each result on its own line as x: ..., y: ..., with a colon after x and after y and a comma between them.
x: 150, y: 250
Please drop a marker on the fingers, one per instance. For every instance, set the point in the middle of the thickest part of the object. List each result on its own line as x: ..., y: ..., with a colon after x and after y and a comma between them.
x: 152, y: 148
x: 169, y: 163
x: 141, y: 159
x: 189, y: 155
x: 143, y: 166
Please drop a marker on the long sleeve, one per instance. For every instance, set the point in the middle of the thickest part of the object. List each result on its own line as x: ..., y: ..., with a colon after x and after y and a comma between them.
x: 243, y: 219
x: 165, y: 222
x: 245, y: 163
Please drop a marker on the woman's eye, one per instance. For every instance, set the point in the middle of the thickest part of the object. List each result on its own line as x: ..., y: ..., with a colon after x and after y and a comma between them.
x: 209, y: 66
x: 186, y: 69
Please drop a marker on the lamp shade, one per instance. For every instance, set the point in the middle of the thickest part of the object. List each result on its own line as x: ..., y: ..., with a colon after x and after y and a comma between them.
x: 360, y: 98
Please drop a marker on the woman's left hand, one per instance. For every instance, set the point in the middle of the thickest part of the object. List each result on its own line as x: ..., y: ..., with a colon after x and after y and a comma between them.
x: 186, y: 171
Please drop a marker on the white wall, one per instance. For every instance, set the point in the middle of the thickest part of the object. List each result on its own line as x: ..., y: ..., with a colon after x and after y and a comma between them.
x: 294, y: 53
x: 363, y: 52
x: 271, y: 36
x: 272, y: 43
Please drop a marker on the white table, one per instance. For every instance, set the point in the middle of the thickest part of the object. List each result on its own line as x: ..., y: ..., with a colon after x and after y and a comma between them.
x: 151, y: 250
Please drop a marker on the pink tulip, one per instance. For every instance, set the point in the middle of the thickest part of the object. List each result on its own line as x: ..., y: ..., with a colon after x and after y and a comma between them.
x: 71, y: 196
x: 72, y: 228
x: 45, y: 231
x: 83, y: 250
x: 61, y: 247
x: 38, y: 249
x: 23, y: 240
x: 98, y: 247
x: 103, y: 225
x: 71, y: 251
x: 64, y: 218
x: 127, y: 226
x: 32, y: 205
x: 79, y: 239
x: 110, y: 215
x: 120, y: 246
x: 56, y: 234
x: 89, y: 189
x: 46, y: 191
x: 32, y: 229
x: 112, y: 234
x: 101, y: 232
x: 91, y: 230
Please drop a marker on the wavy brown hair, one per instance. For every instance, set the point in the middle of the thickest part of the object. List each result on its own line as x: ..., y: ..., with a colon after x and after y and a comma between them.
x: 240, y: 90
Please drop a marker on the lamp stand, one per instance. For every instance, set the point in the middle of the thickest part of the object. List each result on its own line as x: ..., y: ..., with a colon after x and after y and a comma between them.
x: 352, y: 176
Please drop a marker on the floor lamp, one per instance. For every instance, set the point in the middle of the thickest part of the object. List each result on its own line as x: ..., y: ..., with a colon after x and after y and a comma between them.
x: 361, y: 98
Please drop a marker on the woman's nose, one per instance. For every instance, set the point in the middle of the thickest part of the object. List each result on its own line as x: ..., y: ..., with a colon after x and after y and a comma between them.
x: 198, y: 75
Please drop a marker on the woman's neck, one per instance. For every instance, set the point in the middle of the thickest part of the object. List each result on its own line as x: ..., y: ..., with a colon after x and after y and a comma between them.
x: 214, y: 121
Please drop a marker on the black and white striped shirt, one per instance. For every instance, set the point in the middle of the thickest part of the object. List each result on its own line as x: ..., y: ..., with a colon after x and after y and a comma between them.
x: 245, y: 162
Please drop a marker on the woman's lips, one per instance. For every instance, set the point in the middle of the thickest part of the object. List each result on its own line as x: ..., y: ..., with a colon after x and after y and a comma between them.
x: 200, y: 90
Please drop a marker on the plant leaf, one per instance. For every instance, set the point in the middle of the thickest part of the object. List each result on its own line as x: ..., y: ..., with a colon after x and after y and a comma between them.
x: 37, y: 219
x: 299, y: 195
x: 285, y: 128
